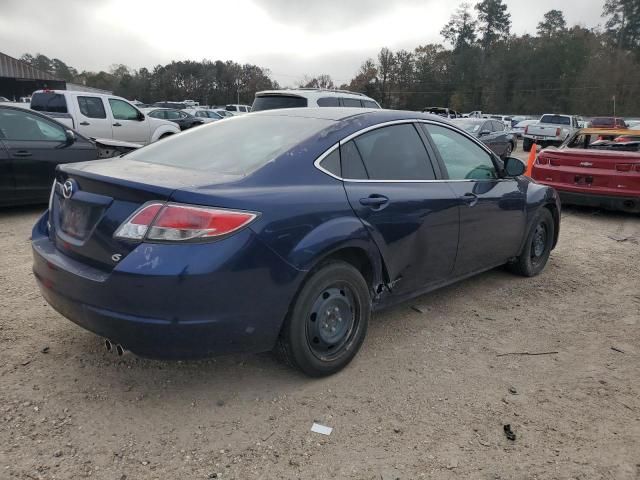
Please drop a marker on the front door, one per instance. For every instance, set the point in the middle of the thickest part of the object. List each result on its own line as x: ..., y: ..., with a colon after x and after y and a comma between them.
x: 492, y: 209
x: 129, y: 124
x: 389, y: 180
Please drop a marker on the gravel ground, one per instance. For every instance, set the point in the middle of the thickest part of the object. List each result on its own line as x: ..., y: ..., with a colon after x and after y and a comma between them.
x: 427, y: 397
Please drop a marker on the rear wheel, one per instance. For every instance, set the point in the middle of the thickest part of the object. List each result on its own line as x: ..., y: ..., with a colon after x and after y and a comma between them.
x: 328, y: 322
x: 537, y: 248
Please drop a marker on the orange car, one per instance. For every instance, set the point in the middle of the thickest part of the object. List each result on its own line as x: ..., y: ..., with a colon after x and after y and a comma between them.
x: 592, y: 167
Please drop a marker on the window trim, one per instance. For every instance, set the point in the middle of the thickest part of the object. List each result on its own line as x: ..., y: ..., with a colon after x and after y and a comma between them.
x: 429, y: 148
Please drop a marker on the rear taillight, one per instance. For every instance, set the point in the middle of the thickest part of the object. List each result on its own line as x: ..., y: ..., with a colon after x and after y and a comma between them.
x: 174, y: 222
x: 526, y: 129
x: 557, y: 132
x: 624, y: 167
x: 542, y: 160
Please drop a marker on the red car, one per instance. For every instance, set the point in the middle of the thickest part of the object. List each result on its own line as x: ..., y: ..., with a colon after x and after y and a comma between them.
x: 591, y: 168
x: 607, y: 122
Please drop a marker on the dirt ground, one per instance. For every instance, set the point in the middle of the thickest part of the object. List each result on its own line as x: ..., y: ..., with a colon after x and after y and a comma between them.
x: 427, y: 397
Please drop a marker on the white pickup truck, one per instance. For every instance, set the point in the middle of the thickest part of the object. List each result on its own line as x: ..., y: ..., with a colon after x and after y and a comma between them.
x: 97, y: 115
x: 551, y: 129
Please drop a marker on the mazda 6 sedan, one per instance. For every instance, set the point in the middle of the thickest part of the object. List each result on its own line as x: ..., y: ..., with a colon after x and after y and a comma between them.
x: 282, y: 230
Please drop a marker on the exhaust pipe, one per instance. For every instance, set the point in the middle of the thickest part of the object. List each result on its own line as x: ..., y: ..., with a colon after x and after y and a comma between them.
x: 114, y: 348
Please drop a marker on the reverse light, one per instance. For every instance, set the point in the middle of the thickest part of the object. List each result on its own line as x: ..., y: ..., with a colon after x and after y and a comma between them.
x: 175, y: 222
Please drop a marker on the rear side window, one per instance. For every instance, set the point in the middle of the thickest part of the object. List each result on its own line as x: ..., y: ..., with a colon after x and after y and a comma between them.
x: 273, y: 102
x: 331, y: 163
x: 158, y: 114
x: 352, y: 165
x: 92, y: 107
x: 49, y: 102
x: 351, y: 102
x: 328, y: 102
x: 395, y: 153
x: 122, y: 110
x: 231, y: 108
x: 370, y: 104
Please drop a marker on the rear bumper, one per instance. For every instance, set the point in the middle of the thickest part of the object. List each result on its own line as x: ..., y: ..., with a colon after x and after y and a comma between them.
x: 606, y: 202
x: 174, y: 301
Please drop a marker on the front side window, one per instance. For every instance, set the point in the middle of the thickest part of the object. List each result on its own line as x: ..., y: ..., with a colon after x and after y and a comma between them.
x: 122, y: 110
x: 22, y: 126
x: 395, y: 153
x: 463, y: 158
x: 92, y: 107
x: 498, y: 126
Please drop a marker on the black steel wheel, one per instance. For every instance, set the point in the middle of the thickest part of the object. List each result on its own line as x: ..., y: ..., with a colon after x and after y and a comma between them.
x: 537, y: 248
x: 328, y: 320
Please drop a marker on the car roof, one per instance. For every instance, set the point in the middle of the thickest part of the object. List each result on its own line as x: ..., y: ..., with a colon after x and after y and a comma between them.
x: 313, y: 93
x: 343, y: 113
x: 471, y: 120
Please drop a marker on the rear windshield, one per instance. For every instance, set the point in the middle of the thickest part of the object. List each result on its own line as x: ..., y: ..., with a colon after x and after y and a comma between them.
x: 608, y: 122
x: 272, y: 102
x: 49, y: 102
x: 237, y: 146
x: 556, y: 119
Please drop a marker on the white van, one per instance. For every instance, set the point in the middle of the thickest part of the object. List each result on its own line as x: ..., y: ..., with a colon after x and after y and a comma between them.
x: 101, y: 116
x: 310, y: 97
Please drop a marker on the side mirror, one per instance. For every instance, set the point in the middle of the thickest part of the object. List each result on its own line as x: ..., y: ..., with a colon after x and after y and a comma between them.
x: 70, y: 137
x: 140, y: 116
x: 514, y: 167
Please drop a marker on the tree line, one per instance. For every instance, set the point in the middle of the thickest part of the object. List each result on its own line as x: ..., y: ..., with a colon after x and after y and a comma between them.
x: 480, y: 65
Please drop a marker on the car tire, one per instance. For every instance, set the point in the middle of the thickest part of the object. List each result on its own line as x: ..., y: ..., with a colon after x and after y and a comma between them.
x: 327, y: 322
x: 526, y: 145
x: 537, y: 248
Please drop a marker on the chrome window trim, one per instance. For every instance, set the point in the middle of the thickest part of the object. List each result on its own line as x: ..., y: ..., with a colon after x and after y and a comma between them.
x: 399, y: 122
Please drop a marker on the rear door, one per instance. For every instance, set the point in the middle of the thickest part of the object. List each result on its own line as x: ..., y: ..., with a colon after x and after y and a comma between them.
x: 492, y: 209
x: 391, y: 185
x: 92, y: 117
x: 36, y: 146
x: 129, y: 124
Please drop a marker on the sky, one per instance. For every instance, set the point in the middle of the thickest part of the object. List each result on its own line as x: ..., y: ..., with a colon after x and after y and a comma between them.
x: 291, y: 38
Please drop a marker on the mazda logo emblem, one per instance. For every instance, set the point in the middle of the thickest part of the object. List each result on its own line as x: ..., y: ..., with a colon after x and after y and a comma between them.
x: 67, y: 189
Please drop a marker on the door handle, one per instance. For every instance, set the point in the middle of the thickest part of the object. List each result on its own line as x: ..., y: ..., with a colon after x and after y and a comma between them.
x: 22, y: 153
x: 374, y: 201
x: 117, y: 124
x: 84, y: 124
x: 470, y: 199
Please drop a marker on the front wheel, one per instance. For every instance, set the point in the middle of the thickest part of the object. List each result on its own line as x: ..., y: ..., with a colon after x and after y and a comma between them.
x: 328, y: 321
x: 537, y: 248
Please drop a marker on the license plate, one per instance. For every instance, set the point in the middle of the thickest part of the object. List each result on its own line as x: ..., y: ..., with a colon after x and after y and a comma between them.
x: 74, y: 219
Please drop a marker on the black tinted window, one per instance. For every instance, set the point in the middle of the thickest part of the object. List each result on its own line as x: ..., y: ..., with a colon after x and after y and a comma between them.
x: 328, y: 102
x: 49, y: 102
x: 556, y: 119
x: 92, y: 107
x: 351, y: 102
x: 352, y: 166
x: 395, y: 153
x: 331, y: 162
x: 370, y: 104
x: 272, y: 102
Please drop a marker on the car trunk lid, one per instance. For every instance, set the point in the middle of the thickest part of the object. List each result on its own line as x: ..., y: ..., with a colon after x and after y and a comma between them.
x: 91, y: 200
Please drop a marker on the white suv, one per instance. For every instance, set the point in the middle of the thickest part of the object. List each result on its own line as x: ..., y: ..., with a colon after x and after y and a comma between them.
x: 310, y: 97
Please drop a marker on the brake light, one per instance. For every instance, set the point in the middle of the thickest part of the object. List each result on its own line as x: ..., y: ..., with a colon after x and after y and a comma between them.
x: 526, y: 129
x: 637, y: 167
x: 624, y: 167
x: 542, y: 160
x: 174, y: 222
x: 557, y: 132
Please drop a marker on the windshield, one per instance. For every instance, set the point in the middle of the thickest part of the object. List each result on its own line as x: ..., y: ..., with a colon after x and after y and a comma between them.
x: 556, y: 119
x: 469, y: 126
x: 237, y: 146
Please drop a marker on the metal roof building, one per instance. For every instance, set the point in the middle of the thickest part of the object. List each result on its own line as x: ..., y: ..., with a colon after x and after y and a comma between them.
x: 19, y: 79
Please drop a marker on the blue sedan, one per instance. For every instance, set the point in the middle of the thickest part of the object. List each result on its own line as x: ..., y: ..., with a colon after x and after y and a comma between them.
x: 282, y: 230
